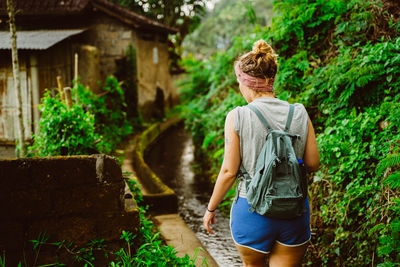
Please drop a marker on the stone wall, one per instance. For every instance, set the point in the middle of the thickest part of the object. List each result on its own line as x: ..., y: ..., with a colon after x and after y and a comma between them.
x: 89, y: 67
x: 112, y: 38
x: 153, y: 73
x: 76, y: 199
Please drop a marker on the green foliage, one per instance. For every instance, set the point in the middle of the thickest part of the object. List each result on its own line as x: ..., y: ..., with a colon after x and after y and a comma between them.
x: 84, y: 255
x: 350, y: 197
x: 357, y: 76
x: 340, y: 58
x: 93, y: 124
x: 389, y: 239
x: 109, y: 111
x: 3, y: 260
x: 64, y: 131
x: 150, y: 250
x: 390, y: 161
x: 134, y: 188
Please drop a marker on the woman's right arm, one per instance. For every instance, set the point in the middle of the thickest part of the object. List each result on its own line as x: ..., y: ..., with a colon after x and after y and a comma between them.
x: 311, y: 153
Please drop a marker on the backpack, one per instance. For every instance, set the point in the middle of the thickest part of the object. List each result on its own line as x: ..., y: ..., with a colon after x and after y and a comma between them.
x: 279, y: 186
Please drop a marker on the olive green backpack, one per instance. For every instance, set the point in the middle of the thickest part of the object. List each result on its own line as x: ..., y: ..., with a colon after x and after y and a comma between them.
x: 279, y: 186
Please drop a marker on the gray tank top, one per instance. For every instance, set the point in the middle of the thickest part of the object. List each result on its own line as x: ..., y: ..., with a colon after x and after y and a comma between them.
x: 252, y: 132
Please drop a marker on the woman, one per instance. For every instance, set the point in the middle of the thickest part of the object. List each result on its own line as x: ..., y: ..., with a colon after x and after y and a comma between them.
x: 256, y: 236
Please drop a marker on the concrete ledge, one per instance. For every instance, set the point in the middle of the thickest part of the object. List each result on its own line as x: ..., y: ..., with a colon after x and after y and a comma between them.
x: 159, y: 197
x: 176, y: 233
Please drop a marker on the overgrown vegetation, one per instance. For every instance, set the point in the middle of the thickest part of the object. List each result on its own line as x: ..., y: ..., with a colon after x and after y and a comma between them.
x: 93, y: 124
x: 340, y: 59
x: 152, y: 251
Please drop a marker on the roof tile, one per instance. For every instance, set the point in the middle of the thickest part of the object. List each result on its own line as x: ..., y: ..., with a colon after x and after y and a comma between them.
x: 69, y: 7
x: 42, y: 7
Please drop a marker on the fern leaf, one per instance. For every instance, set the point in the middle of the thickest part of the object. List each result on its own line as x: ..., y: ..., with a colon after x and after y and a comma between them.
x: 391, y: 161
x: 393, y: 180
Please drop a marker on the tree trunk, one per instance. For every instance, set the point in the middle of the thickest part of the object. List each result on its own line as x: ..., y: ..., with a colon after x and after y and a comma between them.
x: 17, y: 84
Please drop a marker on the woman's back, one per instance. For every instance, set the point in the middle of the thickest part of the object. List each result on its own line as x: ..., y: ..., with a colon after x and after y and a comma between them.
x: 252, y: 132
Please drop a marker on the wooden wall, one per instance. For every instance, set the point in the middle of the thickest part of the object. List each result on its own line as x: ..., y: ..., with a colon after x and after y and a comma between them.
x: 8, y: 99
x: 52, y: 62
x: 56, y: 61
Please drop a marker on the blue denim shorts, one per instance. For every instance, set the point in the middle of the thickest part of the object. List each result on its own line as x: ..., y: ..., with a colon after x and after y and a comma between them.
x: 257, y: 232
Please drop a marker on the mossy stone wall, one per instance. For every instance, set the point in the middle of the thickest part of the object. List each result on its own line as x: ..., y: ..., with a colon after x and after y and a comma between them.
x: 77, y: 199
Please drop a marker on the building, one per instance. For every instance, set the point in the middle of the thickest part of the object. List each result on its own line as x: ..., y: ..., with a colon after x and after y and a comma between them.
x: 55, y: 36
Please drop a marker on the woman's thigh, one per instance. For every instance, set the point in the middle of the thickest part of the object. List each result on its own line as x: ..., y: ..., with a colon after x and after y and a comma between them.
x: 282, y: 255
x: 251, y: 257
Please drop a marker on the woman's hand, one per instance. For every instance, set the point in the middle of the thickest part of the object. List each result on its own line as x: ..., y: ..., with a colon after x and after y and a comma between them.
x: 209, y: 217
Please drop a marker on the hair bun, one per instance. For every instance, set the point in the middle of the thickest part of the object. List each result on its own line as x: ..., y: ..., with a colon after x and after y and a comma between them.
x: 262, y: 48
x: 261, y: 62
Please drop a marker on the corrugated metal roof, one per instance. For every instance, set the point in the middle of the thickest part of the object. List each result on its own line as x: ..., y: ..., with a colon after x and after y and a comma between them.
x: 36, y: 40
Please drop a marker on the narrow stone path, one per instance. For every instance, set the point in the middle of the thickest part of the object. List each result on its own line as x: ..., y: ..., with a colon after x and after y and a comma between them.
x: 177, y: 234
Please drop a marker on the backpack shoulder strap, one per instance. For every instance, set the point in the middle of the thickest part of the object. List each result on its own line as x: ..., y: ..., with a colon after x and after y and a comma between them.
x: 260, y: 117
x: 290, y: 117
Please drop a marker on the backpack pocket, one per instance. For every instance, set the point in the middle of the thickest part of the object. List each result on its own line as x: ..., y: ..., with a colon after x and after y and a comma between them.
x: 285, y: 208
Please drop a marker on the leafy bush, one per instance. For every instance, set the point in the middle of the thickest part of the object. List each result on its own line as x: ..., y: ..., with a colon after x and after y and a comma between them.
x: 93, y: 124
x: 350, y: 198
x: 109, y: 110
x: 64, y: 131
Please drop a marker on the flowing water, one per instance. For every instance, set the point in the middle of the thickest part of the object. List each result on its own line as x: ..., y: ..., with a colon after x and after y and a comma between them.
x: 171, y: 158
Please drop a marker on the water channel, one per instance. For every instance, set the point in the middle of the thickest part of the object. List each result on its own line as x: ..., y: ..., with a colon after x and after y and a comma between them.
x: 171, y: 157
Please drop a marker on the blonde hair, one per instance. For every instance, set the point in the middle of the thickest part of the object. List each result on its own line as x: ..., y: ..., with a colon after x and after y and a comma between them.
x: 261, y: 62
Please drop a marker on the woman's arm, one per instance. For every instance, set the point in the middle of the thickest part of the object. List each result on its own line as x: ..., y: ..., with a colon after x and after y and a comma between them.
x: 311, y: 153
x: 227, y: 174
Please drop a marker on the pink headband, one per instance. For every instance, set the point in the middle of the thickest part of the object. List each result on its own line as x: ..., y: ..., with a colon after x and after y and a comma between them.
x: 257, y: 84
